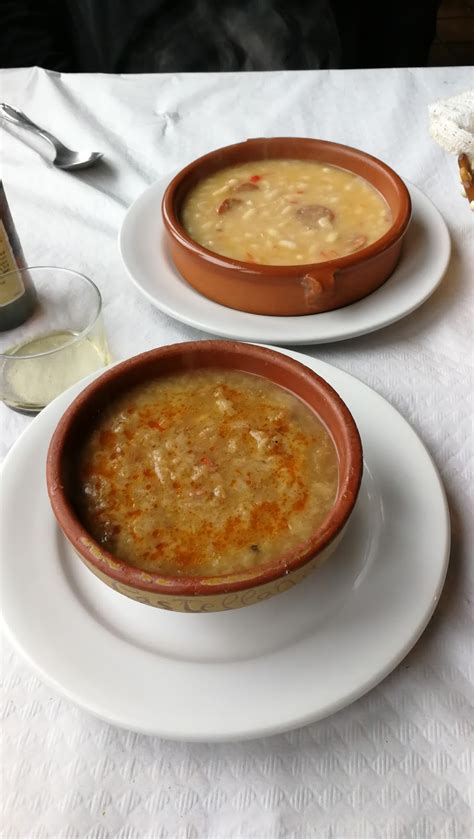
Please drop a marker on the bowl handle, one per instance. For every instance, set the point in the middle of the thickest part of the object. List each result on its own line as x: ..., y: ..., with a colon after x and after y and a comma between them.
x: 317, y: 285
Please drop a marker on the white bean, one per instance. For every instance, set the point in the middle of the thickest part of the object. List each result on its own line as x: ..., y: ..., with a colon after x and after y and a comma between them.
x: 324, y: 222
x: 220, y: 191
x: 286, y: 210
x: 287, y: 243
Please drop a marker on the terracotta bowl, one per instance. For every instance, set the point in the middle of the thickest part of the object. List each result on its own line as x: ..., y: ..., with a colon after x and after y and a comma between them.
x: 293, y: 289
x: 203, y: 594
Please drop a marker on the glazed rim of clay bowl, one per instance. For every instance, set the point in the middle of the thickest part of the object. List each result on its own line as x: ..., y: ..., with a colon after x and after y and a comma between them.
x: 280, y: 369
x: 298, y: 148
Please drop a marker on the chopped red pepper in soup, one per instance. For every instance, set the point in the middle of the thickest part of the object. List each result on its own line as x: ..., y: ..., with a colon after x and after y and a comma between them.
x: 206, y: 473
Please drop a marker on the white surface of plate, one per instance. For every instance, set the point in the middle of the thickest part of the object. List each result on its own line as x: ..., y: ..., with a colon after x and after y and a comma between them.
x: 251, y: 672
x: 425, y: 257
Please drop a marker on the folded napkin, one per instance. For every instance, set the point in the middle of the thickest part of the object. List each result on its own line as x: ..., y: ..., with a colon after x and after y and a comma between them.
x: 452, y: 126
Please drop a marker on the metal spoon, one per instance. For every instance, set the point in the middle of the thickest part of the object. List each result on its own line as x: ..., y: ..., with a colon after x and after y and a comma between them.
x: 65, y: 158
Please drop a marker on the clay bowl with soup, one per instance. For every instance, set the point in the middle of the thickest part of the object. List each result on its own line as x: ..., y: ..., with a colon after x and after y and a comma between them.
x: 205, y: 476
x: 286, y: 226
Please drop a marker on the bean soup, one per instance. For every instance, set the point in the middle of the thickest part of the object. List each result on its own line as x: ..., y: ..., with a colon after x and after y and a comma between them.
x: 285, y: 212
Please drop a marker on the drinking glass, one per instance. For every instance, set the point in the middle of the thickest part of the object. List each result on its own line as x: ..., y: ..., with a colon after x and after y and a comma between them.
x: 62, y: 341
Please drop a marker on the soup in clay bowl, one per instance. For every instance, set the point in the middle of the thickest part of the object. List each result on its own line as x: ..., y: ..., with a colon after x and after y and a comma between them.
x: 286, y: 226
x: 204, y: 476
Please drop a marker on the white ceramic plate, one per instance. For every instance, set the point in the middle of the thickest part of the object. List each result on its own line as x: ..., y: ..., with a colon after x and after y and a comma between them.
x: 255, y: 671
x: 424, y: 261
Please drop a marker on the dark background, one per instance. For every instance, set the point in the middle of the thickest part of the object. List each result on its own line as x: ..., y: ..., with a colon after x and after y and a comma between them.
x: 134, y: 36
x: 454, y: 40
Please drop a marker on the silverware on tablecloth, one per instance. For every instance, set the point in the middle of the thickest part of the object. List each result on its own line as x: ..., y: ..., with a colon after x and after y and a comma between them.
x: 65, y: 158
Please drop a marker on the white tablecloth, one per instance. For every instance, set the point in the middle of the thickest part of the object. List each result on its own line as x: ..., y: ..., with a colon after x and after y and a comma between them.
x: 395, y: 764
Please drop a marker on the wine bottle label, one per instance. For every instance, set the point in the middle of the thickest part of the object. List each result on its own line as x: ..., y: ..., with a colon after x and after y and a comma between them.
x: 11, y: 284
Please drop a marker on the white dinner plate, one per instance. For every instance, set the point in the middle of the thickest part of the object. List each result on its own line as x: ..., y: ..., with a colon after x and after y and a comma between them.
x: 251, y: 672
x: 425, y: 257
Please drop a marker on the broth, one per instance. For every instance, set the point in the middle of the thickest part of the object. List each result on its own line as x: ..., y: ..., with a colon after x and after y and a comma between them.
x: 206, y: 473
x: 285, y: 212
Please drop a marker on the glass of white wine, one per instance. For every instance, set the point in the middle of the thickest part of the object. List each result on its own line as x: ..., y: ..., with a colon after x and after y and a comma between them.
x: 61, y: 341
